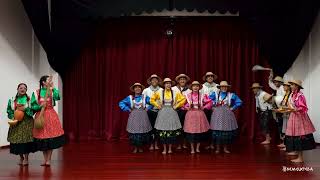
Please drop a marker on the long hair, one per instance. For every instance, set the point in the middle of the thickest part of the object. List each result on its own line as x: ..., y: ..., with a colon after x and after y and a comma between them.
x: 17, y: 95
x: 43, y: 79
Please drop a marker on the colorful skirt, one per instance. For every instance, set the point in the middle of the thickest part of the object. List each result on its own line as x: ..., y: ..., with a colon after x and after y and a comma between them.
x: 138, y: 122
x: 224, y: 137
x: 299, y: 143
x: 21, y: 138
x: 299, y: 124
x: 169, y: 137
x: 51, y: 136
x: 196, y: 122
x: 223, y: 119
x: 167, y: 119
x: 139, y: 139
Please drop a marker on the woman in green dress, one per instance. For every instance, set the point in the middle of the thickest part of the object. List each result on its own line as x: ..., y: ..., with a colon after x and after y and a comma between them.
x: 20, y: 134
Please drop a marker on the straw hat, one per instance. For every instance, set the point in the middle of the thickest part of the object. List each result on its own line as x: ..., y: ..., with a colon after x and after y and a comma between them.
x: 223, y: 84
x: 256, y: 85
x: 168, y: 80
x: 195, y: 83
x: 286, y: 83
x: 204, y: 78
x: 297, y: 82
x: 278, y: 78
x: 153, y: 76
x: 136, y: 84
x: 267, y: 97
x: 181, y: 76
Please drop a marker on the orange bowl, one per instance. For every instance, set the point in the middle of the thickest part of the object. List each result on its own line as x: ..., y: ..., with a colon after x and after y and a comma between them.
x: 18, y: 115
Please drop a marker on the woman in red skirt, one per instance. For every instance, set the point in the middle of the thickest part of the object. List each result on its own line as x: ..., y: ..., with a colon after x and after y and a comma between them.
x: 196, y: 124
x: 51, y: 136
x: 299, y: 133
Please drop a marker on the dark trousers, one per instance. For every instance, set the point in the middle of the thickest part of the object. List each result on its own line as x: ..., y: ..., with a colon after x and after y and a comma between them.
x: 182, y: 114
x: 152, y: 118
x: 264, y: 117
x: 280, y: 123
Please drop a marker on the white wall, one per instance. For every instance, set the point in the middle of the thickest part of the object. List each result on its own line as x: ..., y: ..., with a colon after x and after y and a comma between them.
x: 307, y: 68
x: 22, y: 58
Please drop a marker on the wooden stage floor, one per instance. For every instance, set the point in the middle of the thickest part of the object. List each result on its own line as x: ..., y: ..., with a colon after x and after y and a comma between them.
x: 106, y: 160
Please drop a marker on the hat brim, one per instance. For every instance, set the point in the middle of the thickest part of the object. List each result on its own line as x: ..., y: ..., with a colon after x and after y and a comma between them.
x: 132, y: 87
x: 190, y: 87
x: 172, y: 83
x: 256, y: 87
x: 218, y: 86
x: 150, y: 78
x: 291, y: 82
x: 215, y: 77
x: 277, y: 81
x: 178, y: 77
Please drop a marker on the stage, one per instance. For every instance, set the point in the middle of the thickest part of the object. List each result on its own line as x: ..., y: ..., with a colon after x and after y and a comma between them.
x: 113, y: 160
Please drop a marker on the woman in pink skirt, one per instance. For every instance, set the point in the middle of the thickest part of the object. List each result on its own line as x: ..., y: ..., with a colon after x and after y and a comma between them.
x: 51, y: 136
x: 196, y: 124
x: 299, y: 133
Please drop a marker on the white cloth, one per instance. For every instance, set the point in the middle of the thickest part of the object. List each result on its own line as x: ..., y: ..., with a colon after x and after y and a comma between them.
x: 260, y: 103
x: 209, y: 88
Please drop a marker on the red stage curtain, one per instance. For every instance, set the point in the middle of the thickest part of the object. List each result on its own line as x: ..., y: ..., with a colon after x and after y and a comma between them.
x: 125, y: 51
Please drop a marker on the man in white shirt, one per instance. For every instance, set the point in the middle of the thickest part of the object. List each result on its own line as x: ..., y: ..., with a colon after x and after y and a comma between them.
x: 182, y: 87
x: 154, y: 87
x: 263, y: 108
x: 277, y: 85
x: 207, y: 88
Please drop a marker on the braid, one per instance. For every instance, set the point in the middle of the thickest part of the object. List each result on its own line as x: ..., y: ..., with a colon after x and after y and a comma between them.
x: 199, y: 99
x: 42, y: 79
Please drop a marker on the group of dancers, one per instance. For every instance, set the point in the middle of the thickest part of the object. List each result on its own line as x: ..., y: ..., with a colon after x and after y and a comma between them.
x: 171, y: 115
x: 289, y: 108
x: 195, y: 113
x: 180, y: 114
x: 23, y: 135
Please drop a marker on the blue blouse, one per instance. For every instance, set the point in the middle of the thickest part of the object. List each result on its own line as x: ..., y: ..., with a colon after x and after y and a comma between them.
x: 235, y: 100
x: 125, y: 104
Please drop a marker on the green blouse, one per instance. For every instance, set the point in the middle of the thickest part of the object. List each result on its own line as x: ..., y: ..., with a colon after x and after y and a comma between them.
x: 34, y: 101
x: 20, y: 100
